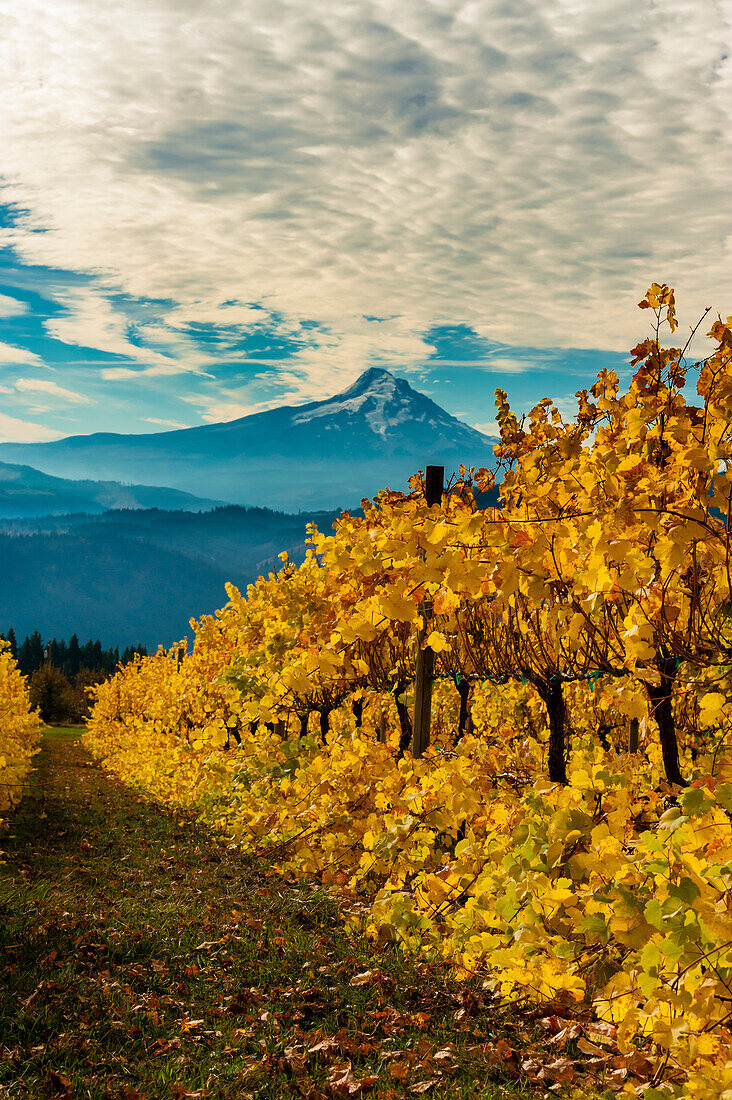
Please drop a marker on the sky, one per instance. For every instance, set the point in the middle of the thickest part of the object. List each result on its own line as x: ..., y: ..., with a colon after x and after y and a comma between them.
x: 210, y: 209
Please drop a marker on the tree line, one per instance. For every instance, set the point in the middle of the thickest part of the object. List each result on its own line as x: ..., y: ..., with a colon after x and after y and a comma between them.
x: 60, y: 673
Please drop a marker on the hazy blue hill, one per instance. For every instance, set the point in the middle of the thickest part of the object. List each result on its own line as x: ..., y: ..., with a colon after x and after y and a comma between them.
x: 136, y: 574
x: 108, y: 587
x: 325, y: 454
x: 25, y: 491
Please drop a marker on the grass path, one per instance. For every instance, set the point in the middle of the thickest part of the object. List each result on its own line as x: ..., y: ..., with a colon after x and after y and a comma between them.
x: 140, y: 959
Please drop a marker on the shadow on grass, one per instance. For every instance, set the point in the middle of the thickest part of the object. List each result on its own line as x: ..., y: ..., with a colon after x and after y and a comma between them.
x: 143, y: 959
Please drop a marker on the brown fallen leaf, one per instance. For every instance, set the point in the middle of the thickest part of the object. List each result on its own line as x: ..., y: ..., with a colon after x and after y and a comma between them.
x: 638, y: 1064
x: 606, y: 1034
x: 423, y: 1086
x: 60, y: 1085
x: 506, y: 1051
x: 326, y: 1046
x: 386, y: 936
x: 363, y: 979
x: 532, y: 1067
x: 591, y: 1048
x: 615, y: 1079
x: 296, y: 1058
x: 342, y: 1081
x: 399, y: 1071
x: 560, y: 1071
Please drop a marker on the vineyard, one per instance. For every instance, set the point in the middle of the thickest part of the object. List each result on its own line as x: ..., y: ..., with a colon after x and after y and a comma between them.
x: 502, y: 735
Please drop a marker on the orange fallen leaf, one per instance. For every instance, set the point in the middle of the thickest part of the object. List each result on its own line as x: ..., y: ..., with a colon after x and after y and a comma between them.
x: 60, y: 1085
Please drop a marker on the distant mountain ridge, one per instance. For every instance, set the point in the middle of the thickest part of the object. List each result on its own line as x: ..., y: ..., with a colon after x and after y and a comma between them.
x: 26, y: 492
x: 324, y: 454
x: 139, y: 573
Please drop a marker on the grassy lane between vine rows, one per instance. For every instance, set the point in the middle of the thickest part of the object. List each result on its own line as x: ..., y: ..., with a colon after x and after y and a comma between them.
x: 142, y: 958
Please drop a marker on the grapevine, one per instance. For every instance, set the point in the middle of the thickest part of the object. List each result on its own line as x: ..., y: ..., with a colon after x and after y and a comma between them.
x: 567, y: 833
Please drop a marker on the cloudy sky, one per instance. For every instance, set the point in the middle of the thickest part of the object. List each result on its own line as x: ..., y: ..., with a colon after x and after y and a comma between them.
x: 207, y: 209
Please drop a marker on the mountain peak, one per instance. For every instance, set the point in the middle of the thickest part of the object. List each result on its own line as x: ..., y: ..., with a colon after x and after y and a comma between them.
x: 375, y: 379
x: 377, y: 397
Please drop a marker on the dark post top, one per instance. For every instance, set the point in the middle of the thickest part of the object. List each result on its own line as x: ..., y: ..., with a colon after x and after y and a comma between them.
x: 434, y: 483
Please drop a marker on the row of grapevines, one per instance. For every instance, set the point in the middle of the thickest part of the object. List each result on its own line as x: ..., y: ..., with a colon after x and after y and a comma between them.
x: 20, y: 731
x: 568, y: 831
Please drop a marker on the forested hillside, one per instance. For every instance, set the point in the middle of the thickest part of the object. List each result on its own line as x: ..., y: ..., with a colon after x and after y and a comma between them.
x: 136, y: 574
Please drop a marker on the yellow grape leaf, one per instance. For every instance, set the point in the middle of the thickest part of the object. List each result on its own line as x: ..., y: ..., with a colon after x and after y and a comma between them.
x: 711, y: 708
x: 399, y: 608
x: 437, y: 532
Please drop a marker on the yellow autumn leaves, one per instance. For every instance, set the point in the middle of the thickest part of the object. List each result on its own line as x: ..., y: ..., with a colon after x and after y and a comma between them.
x: 20, y: 731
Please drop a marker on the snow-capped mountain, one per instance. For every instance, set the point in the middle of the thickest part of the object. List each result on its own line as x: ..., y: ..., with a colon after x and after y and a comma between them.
x: 325, y: 454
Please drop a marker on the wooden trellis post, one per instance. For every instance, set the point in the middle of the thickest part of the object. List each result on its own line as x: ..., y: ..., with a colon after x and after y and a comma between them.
x: 425, y: 662
x: 633, y: 730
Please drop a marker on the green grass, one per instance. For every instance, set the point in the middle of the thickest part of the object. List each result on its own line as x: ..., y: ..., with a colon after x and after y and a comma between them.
x: 143, y: 959
x: 63, y: 733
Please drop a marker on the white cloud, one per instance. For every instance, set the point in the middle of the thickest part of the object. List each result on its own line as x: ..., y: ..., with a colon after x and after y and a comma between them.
x: 490, y: 429
x: 228, y: 404
x: 90, y: 319
x: 500, y: 364
x: 526, y: 169
x: 509, y: 364
x: 18, y: 356
x: 211, y: 312
x: 45, y: 386
x: 165, y: 423
x: 13, y: 430
x: 11, y: 307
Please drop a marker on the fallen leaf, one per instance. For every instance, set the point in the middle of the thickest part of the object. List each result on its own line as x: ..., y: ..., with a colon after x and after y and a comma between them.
x: 190, y: 1025
x: 60, y: 1085
x: 603, y: 1033
x: 560, y: 1071
x: 399, y: 1071
x: 343, y: 1082
x: 591, y: 1048
x: 329, y: 1045
x: 639, y: 1065
x: 362, y: 979
x: 296, y: 1058
x: 615, y: 1079
x: 532, y: 1067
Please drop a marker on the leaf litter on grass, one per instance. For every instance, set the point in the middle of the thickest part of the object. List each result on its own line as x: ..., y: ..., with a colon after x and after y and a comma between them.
x: 142, y: 959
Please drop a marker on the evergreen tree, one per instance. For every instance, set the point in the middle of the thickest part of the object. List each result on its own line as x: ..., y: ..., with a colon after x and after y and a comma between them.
x: 73, y: 659
x: 30, y: 653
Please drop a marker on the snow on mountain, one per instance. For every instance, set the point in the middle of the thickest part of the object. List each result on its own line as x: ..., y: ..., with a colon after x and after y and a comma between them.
x: 384, y: 403
x: 375, y: 394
